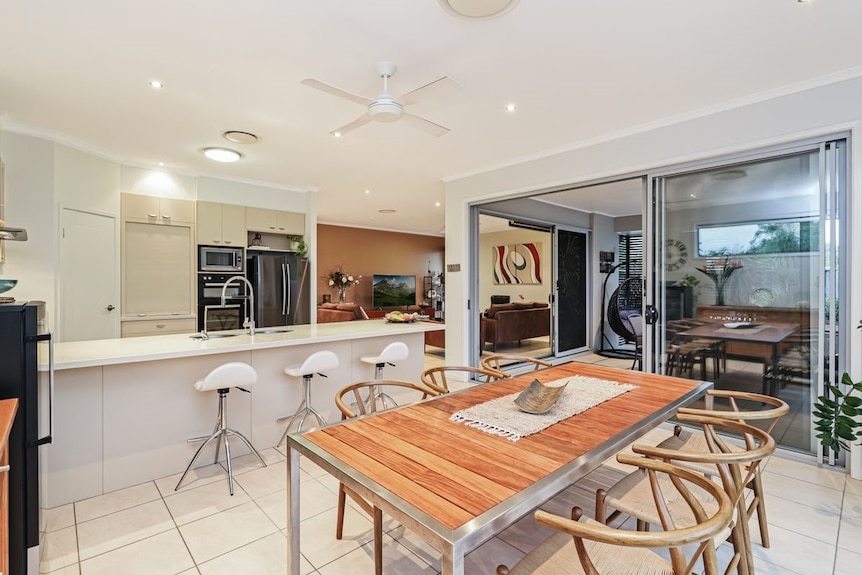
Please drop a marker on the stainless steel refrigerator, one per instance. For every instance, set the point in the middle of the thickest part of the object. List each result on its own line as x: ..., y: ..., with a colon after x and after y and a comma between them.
x: 281, y: 287
x: 22, y: 327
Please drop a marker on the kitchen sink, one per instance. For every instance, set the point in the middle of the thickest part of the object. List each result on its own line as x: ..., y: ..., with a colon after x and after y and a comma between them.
x: 212, y: 335
x: 273, y: 330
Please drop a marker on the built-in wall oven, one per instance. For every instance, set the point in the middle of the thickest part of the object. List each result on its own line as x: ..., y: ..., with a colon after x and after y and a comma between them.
x: 220, y: 318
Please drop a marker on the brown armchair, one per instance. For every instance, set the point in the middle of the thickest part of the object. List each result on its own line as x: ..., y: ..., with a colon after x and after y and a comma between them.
x: 515, y: 321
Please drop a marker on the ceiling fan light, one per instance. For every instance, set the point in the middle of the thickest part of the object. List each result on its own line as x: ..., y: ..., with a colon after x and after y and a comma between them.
x: 477, y: 9
x: 224, y: 155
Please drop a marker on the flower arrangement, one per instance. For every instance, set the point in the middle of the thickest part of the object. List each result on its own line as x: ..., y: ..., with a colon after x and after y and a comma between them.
x: 341, y: 280
x: 719, y: 271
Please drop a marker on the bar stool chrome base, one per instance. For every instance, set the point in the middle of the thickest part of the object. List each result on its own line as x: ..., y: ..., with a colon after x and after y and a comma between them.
x: 303, y: 410
x: 222, y: 431
x: 395, y: 351
x: 317, y: 362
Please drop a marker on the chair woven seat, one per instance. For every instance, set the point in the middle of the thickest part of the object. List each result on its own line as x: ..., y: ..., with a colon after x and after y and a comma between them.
x: 558, y: 555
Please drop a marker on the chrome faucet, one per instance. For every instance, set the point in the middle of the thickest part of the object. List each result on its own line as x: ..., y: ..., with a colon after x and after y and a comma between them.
x: 249, y: 323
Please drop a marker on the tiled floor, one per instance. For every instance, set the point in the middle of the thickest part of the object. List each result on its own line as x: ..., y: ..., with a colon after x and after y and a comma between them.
x: 815, y: 517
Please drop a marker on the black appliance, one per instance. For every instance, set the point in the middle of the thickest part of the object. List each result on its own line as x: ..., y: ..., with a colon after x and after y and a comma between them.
x: 22, y: 327
x: 217, y: 317
x: 280, y: 283
x: 678, y: 302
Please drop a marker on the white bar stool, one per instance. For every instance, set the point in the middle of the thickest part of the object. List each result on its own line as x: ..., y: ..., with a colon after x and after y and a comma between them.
x: 233, y: 374
x: 317, y: 362
x: 395, y: 351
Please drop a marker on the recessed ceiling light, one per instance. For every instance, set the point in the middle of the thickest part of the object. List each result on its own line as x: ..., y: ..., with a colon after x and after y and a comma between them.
x: 477, y: 9
x: 386, y: 211
x: 437, y: 204
x: 336, y: 134
x: 367, y: 191
x: 161, y: 163
x: 221, y: 154
x: 511, y: 107
x: 156, y: 84
x: 692, y: 196
x: 238, y: 137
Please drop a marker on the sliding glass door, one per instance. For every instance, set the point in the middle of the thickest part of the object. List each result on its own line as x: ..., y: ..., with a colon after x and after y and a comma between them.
x: 746, y: 277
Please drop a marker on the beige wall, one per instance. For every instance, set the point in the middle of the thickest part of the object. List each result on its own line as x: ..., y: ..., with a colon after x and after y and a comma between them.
x: 368, y: 252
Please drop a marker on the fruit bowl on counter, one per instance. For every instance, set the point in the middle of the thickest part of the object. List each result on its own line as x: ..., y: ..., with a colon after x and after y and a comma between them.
x: 398, y: 317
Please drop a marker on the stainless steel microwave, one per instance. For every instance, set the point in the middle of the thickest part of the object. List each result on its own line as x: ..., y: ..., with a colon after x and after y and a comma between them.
x: 220, y: 259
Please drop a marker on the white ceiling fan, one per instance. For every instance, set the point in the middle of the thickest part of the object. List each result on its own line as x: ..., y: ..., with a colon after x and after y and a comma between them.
x: 384, y: 107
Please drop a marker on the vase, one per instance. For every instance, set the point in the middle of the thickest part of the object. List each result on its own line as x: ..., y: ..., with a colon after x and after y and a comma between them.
x: 341, y: 292
x: 719, y: 295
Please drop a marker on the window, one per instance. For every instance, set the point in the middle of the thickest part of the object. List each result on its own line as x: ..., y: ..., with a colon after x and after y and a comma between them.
x: 754, y: 238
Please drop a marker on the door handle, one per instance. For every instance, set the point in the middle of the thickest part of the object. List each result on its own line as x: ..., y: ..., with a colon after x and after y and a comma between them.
x: 110, y: 308
x: 650, y: 314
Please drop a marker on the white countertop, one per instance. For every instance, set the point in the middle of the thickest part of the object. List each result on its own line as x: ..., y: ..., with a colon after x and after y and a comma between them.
x: 75, y: 354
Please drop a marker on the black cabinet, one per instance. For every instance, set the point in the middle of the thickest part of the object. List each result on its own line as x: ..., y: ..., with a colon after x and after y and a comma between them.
x: 678, y: 302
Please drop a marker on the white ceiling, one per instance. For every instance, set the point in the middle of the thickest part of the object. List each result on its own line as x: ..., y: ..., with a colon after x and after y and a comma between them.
x: 578, y: 70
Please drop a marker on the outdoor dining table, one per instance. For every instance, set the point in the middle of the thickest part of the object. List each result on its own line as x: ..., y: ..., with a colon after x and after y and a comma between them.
x: 457, y: 486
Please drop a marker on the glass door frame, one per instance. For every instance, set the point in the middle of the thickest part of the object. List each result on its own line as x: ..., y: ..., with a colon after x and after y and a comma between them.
x: 832, y: 172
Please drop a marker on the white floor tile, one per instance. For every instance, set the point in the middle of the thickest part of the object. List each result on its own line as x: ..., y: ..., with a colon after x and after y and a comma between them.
x: 848, y: 562
x: 58, y: 518
x: 60, y: 550
x: 193, y: 504
x: 162, y: 554
x: 223, y: 532
x: 317, y: 536
x: 850, y: 531
x: 823, y: 476
x: 122, y: 528
x: 266, y: 555
x: 196, y: 477
x: 70, y: 570
x: 396, y: 559
x: 795, y: 552
x: 818, y: 522
x: 486, y: 558
x: 264, y: 480
x: 116, y: 501
x: 852, y: 486
x: 800, y: 491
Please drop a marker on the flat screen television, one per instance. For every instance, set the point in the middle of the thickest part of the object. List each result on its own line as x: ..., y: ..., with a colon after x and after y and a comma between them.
x: 393, y: 290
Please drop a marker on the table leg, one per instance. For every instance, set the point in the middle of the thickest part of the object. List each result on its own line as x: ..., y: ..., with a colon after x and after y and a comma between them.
x: 292, y: 511
x: 453, y: 561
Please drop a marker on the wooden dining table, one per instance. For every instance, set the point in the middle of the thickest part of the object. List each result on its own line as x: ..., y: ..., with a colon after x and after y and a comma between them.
x: 456, y: 486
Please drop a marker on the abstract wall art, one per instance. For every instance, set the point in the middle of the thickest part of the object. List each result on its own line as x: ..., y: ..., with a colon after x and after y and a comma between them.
x: 518, y: 264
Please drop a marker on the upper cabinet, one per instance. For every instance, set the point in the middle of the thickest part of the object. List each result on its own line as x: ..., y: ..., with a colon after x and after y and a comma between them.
x: 221, y: 224
x: 274, y: 221
x: 158, y: 210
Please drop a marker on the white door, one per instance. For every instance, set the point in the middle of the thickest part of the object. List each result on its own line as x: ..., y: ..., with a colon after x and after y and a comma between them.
x: 89, y: 294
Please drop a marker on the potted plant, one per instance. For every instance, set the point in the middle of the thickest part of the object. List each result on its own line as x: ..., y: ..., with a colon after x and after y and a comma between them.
x: 837, y: 414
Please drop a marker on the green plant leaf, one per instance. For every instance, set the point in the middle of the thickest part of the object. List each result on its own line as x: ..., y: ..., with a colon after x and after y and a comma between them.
x: 853, y: 401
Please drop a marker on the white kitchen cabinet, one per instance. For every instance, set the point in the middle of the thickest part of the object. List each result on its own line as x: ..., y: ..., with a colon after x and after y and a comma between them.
x: 221, y: 224
x: 164, y: 211
x: 158, y: 269
x: 137, y: 328
x: 274, y: 221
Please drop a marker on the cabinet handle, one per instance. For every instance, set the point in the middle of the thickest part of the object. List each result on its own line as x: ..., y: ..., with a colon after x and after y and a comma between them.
x: 227, y: 241
x: 160, y: 325
x: 164, y: 217
x: 4, y: 468
x: 272, y: 227
x: 151, y: 215
x: 216, y: 241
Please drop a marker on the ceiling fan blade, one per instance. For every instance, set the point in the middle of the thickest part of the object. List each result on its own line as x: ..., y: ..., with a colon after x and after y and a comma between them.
x: 426, y: 126
x: 360, y: 121
x: 318, y: 85
x: 428, y: 90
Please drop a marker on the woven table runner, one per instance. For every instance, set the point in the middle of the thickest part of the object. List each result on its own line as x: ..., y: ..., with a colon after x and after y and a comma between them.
x: 502, y: 417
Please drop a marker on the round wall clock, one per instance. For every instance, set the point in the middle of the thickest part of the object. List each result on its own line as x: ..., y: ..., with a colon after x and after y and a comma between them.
x: 675, y: 254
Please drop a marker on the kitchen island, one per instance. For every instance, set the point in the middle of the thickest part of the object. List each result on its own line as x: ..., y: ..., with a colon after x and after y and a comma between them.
x: 123, y: 408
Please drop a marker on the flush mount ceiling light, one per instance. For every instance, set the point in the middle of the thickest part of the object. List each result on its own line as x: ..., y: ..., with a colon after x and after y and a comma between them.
x: 477, y: 9
x: 221, y: 154
x: 729, y: 175
x: 239, y: 137
x: 156, y: 84
x: 511, y: 107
